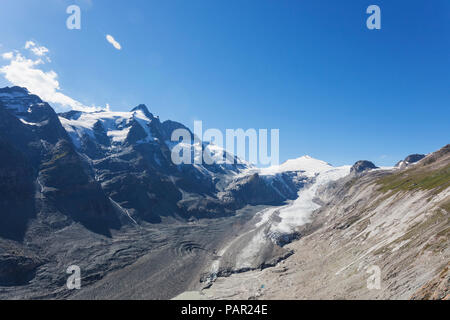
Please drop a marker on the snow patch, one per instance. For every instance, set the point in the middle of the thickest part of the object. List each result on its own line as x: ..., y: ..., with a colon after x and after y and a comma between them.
x: 308, y: 165
x: 117, y: 125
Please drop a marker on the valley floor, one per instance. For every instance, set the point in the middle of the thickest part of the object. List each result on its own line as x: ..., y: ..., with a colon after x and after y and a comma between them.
x: 139, y: 262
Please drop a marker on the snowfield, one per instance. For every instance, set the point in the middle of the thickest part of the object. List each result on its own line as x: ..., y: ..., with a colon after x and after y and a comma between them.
x: 115, y: 124
x: 307, y: 165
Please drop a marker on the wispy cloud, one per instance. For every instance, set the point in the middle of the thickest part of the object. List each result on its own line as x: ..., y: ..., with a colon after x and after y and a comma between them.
x: 40, y: 51
x: 28, y: 73
x: 113, y: 41
x: 8, y: 55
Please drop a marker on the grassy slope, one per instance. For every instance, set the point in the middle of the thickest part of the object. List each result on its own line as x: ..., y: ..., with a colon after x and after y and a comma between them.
x: 417, y: 178
x: 432, y: 173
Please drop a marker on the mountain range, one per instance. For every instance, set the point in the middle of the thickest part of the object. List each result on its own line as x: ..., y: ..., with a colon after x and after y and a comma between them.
x: 105, y: 169
x: 100, y: 190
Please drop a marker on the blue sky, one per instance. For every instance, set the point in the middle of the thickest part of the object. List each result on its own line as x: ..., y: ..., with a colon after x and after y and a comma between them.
x: 336, y: 90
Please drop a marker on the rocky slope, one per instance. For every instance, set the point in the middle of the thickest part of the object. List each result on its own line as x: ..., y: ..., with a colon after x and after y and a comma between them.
x: 42, y: 172
x: 393, y: 221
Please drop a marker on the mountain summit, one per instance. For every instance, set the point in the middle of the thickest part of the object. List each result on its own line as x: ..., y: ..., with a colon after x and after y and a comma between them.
x: 144, y: 109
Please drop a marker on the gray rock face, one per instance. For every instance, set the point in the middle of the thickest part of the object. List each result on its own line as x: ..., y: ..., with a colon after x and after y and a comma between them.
x: 362, y: 166
x: 17, y: 267
x: 413, y: 158
x: 255, y: 190
x: 17, y: 203
x: 41, y: 171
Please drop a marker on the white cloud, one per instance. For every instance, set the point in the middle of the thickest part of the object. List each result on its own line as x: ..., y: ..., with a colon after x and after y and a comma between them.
x: 29, y: 44
x: 40, y: 51
x: 25, y: 72
x: 8, y: 55
x: 113, y: 41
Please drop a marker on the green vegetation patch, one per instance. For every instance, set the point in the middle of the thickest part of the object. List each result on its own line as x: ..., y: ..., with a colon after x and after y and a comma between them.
x: 55, y: 159
x: 446, y: 206
x: 419, y: 178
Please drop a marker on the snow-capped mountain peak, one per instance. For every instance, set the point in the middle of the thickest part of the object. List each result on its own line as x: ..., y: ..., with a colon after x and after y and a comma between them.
x: 116, y: 125
x: 306, y: 164
x: 143, y: 108
x: 18, y: 99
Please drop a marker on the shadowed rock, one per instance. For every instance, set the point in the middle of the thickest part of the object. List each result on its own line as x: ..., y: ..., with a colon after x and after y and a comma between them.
x: 362, y: 166
x: 413, y: 158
